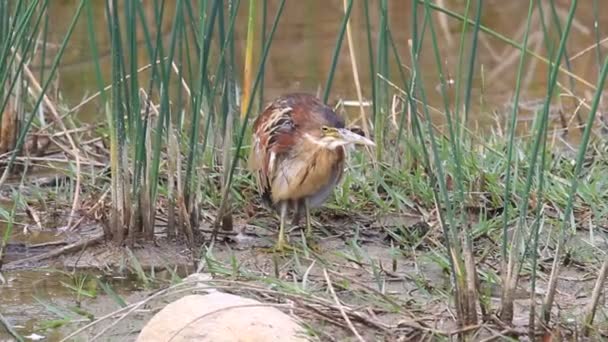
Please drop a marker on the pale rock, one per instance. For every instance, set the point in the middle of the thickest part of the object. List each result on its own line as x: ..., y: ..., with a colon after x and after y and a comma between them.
x: 216, y: 317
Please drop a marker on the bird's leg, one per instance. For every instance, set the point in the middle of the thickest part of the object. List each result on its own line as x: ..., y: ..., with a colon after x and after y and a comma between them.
x: 308, y: 223
x: 281, y: 241
x: 308, y: 238
x: 297, y: 210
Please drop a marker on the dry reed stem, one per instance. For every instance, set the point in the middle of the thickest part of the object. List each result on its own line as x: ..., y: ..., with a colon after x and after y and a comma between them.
x: 37, y: 91
x: 248, y: 65
x: 589, y: 48
x: 353, y: 62
x: 552, y: 284
x: 90, y: 211
x: 109, y: 86
x: 79, y: 245
x: 507, y: 62
x: 595, y: 296
x: 172, y: 170
x: 340, y: 307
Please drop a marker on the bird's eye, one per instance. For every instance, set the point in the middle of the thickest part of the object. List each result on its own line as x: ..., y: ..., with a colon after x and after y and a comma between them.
x: 324, y: 129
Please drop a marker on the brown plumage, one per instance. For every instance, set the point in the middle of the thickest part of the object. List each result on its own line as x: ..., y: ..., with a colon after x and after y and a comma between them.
x: 298, y: 154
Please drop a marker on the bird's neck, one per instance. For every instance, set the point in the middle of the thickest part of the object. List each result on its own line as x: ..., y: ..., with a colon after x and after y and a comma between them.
x: 315, y: 153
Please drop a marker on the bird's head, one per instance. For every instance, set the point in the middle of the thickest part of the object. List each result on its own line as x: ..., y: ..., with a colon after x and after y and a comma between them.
x: 332, y: 137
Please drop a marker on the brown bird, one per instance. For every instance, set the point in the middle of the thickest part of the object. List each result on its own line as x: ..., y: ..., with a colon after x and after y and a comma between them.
x: 298, y: 153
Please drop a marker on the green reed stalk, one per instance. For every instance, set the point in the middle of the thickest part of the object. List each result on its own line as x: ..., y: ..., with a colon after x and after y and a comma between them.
x: 45, y: 36
x: 134, y: 123
x: 407, y: 86
x: 95, y: 53
x: 459, y: 66
x: 572, y: 193
x: 45, y: 85
x: 531, y: 244
x: 336, y: 54
x: 547, y: 37
x: 543, y: 120
x: 596, y: 31
x: 472, y: 58
x: 454, y: 142
x: 206, y: 26
x: 372, y: 70
x: 164, y: 116
x: 506, y: 296
x: 117, y: 135
x: 466, y: 272
x: 417, y: 41
x: 448, y: 223
x: 262, y: 42
x: 221, y: 68
x: 507, y: 40
x: 558, y: 26
x: 11, y: 49
x: 241, y: 136
x: 141, y: 159
x: 539, y: 137
x: 382, y: 105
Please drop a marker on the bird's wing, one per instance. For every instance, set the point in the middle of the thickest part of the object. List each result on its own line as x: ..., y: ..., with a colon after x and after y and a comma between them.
x: 273, y: 136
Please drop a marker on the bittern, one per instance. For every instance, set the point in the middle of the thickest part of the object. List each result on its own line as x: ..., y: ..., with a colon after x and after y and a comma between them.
x: 298, y: 155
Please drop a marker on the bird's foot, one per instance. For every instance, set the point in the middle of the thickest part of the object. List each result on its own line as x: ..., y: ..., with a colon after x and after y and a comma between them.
x: 312, y: 244
x: 278, y: 248
x: 282, y: 246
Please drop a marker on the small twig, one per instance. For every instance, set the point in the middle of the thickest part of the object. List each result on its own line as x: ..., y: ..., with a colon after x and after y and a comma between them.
x: 90, y: 211
x: 340, y: 307
x: 31, y: 212
x: 597, y: 291
x: 320, y: 314
x: 56, y: 252
x: 368, y: 288
x: 86, y: 128
x: 353, y: 61
x: 57, y: 160
x: 108, y: 87
x: 74, y: 152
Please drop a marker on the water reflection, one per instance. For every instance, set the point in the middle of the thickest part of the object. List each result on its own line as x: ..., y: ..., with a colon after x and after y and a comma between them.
x: 301, y: 52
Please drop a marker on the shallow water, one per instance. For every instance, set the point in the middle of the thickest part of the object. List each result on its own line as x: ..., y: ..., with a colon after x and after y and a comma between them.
x: 301, y: 52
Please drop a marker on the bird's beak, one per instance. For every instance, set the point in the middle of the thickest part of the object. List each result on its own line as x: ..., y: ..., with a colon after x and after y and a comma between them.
x: 354, y: 138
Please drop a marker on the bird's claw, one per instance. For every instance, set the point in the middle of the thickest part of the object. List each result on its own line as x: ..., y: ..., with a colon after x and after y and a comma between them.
x: 281, y: 246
